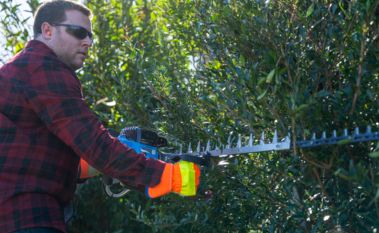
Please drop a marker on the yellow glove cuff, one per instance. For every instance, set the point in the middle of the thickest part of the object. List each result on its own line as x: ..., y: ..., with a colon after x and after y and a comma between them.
x: 181, y: 178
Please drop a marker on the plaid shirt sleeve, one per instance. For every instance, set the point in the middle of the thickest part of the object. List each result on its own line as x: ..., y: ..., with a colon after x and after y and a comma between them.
x: 56, y: 97
x: 54, y: 93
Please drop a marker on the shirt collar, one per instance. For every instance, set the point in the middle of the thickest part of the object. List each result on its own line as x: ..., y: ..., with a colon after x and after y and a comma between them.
x: 41, y: 48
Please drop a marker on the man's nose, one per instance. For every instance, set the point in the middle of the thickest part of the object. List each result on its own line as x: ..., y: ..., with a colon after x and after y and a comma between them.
x: 87, y: 42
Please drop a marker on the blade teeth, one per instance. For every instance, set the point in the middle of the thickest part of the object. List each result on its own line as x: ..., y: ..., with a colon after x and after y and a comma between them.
x: 288, y: 138
x: 239, y: 143
x: 217, y: 145
x: 251, y: 139
x: 208, y: 147
x: 368, y: 129
x: 189, y: 148
x: 356, y: 131
x: 176, y: 146
x: 229, y: 141
x: 262, y: 140
x: 275, y: 139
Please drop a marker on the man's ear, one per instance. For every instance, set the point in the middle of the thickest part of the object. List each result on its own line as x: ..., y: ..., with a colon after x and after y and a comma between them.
x: 47, y: 31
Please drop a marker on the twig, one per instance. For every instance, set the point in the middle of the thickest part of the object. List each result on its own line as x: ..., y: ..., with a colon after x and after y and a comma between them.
x: 317, y: 164
x: 359, y: 78
x: 323, y: 190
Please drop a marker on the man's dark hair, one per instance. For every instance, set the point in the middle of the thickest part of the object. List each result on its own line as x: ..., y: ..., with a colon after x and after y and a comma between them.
x: 54, y: 12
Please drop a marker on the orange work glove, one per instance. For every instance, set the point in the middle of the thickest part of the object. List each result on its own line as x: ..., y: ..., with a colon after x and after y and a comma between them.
x: 86, y: 171
x: 182, y: 178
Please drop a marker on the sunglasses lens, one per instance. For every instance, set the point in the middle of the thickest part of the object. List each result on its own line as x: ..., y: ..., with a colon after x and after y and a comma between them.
x: 79, y: 32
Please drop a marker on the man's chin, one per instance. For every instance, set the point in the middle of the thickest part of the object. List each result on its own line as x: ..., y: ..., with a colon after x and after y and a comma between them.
x: 76, y: 66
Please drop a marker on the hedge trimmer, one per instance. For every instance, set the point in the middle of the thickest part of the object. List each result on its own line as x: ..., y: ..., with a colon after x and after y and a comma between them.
x: 148, y: 142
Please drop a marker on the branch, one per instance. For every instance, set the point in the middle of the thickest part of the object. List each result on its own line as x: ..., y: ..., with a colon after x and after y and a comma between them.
x: 359, y: 78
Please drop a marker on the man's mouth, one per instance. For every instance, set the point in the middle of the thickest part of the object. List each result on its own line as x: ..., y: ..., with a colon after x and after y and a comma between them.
x: 83, y: 53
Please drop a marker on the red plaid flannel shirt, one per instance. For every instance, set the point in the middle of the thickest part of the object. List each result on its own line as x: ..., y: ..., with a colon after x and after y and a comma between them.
x: 45, y: 126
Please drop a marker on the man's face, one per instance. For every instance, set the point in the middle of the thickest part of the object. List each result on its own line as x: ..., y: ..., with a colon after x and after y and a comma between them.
x: 71, y: 50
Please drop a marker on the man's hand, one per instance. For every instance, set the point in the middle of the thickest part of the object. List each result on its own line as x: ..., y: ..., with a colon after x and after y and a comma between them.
x: 182, y: 178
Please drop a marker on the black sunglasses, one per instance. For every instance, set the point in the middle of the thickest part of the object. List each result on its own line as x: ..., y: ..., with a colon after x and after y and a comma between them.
x: 77, y: 31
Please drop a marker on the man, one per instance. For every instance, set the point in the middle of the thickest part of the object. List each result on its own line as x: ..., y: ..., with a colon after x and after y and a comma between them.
x: 45, y: 128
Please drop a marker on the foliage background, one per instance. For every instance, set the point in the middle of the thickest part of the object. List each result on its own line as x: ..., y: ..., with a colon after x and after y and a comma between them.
x: 198, y: 70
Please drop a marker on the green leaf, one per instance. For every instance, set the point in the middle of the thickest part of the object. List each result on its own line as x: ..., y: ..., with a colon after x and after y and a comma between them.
x: 377, y: 146
x: 342, y: 174
x: 323, y: 93
x: 270, y: 76
x: 344, y: 141
x: 261, y: 81
x: 110, y: 103
x: 310, y: 10
x: 374, y: 154
x: 301, y: 108
x: 262, y: 95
